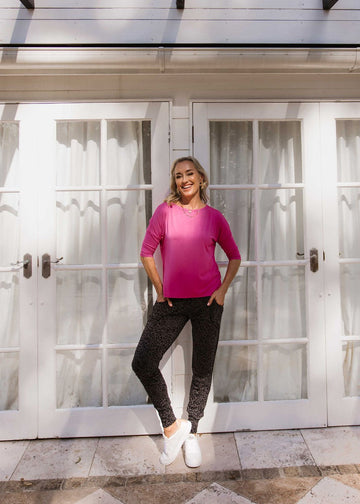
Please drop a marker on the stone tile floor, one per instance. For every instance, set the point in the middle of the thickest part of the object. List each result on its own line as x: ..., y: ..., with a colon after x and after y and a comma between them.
x: 310, y: 466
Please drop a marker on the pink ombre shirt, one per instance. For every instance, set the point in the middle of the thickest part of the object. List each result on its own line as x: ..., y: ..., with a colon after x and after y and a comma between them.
x: 188, y: 249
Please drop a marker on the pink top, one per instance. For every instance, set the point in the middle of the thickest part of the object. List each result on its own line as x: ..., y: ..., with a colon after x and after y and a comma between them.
x: 188, y: 248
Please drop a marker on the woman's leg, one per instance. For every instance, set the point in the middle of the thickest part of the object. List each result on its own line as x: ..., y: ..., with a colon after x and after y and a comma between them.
x: 162, y: 329
x: 205, y: 331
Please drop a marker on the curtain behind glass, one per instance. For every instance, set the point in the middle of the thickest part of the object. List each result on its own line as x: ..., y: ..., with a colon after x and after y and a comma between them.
x: 87, y: 299
x: 9, y: 254
x: 348, y: 163
x: 280, y: 237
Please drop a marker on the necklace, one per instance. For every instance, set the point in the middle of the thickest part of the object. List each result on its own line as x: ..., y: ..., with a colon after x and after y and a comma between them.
x: 190, y: 212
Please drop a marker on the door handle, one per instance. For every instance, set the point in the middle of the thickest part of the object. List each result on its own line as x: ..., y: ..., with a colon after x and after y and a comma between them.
x: 26, y: 265
x: 46, y: 265
x: 314, y: 260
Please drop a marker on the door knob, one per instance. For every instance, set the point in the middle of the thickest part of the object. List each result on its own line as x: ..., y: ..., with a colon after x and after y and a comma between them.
x: 314, y: 260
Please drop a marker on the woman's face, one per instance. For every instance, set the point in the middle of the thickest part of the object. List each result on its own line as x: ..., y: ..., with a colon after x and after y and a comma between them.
x: 187, y: 179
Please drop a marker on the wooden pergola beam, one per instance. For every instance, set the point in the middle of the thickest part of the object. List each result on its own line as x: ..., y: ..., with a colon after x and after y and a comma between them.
x: 327, y: 4
x: 29, y: 4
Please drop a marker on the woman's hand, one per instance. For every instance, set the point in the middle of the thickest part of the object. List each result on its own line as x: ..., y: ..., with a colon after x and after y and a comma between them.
x: 219, y: 296
x: 162, y: 299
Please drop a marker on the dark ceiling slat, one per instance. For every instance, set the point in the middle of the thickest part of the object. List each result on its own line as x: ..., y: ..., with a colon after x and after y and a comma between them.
x: 327, y: 4
x: 29, y: 4
x: 180, y: 4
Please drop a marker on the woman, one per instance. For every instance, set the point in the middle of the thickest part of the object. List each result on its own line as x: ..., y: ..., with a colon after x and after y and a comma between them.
x: 187, y: 230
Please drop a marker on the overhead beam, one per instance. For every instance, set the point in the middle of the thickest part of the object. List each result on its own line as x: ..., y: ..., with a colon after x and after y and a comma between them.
x: 180, y: 4
x: 327, y: 4
x: 29, y: 4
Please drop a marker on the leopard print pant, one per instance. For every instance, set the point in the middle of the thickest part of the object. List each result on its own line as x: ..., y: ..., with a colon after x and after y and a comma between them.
x: 161, y: 331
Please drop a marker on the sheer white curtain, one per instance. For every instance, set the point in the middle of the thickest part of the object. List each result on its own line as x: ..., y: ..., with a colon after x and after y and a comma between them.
x: 348, y: 156
x: 268, y: 226
x: 9, y: 253
x: 98, y: 225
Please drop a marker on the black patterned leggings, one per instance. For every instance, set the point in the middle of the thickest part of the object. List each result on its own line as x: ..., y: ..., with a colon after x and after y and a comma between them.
x: 161, y: 330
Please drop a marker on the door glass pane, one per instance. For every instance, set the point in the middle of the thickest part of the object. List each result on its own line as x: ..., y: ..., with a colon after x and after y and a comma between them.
x: 231, y: 152
x: 239, y: 382
x: 124, y: 388
x: 9, y: 154
x: 78, y: 227
x: 283, y: 288
x: 9, y: 381
x: 78, y: 378
x: 127, y: 305
x: 126, y: 221
x: 79, y: 310
x: 238, y: 208
x: 128, y: 149
x: 9, y: 227
x: 350, y: 298
x: 289, y: 382
x: 78, y: 153
x: 239, y: 321
x: 281, y: 224
x: 348, y: 150
x: 280, y: 158
x: 9, y: 309
x: 351, y: 368
x: 349, y: 221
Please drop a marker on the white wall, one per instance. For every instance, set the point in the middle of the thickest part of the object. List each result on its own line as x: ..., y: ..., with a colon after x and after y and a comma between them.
x: 159, y: 22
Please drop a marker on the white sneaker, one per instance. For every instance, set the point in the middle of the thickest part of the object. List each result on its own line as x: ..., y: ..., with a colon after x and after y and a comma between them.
x: 173, y: 444
x: 192, y: 451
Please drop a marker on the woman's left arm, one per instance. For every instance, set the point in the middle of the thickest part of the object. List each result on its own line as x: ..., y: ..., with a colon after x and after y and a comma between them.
x: 219, y: 294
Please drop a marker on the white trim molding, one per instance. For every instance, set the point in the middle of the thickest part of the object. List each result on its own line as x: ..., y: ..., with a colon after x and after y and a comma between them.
x: 87, y: 60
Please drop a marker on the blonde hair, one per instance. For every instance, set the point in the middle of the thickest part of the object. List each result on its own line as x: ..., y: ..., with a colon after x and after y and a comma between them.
x: 175, y: 196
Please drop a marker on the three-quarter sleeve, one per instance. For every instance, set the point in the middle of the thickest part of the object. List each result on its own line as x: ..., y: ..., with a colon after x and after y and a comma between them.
x: 154, y: 233
x: 226, y: 240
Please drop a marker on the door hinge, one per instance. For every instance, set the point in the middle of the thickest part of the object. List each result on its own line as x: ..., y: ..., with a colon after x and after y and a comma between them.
x: 192, y: 134
x: 323, y: 255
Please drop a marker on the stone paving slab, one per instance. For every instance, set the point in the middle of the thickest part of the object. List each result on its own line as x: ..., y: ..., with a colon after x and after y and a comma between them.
x: 272, y: 449
x: 99, y: 497
x: 54, y: 459
x: 217, y: 493
x: 330, y: 491
x: 127, y: 456
x: 334, y: 446
x: 11, y: 453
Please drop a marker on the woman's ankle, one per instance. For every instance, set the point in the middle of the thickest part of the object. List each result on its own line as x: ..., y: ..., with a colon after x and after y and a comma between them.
x: 171, y: 429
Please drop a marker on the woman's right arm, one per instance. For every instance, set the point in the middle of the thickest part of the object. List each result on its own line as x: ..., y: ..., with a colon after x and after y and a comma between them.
x: 153, y: 274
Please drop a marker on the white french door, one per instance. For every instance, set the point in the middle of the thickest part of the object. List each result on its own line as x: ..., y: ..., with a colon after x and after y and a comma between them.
x: 341, y: 161
x: 75, y: 205
x: 265, y: 176
x: 18, y: 280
